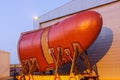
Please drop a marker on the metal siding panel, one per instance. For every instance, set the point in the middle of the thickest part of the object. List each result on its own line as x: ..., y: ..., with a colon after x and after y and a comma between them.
x: 72, y: 7
x: 109, y: 64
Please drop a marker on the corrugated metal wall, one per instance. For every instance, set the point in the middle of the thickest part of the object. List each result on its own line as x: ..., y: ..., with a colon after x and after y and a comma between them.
x: 108, y: 44
x: 105, y: 52
x: 72, y: 7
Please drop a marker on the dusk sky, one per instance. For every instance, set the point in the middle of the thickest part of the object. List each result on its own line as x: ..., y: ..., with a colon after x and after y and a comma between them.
x: 16, y: 16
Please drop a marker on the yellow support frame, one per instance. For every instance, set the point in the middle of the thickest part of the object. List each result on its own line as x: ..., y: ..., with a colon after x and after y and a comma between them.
x: 51, y: 77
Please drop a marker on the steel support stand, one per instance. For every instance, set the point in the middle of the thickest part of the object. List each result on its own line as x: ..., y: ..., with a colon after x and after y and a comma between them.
x: 57, y: 62
x: 77, y: 52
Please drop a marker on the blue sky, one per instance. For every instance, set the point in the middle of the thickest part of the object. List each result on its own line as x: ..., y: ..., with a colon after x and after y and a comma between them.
x: 16, y: 16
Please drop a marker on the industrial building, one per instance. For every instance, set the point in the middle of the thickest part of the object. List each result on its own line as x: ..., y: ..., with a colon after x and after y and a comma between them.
x: 104, y: 53
x: 4, y: 64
